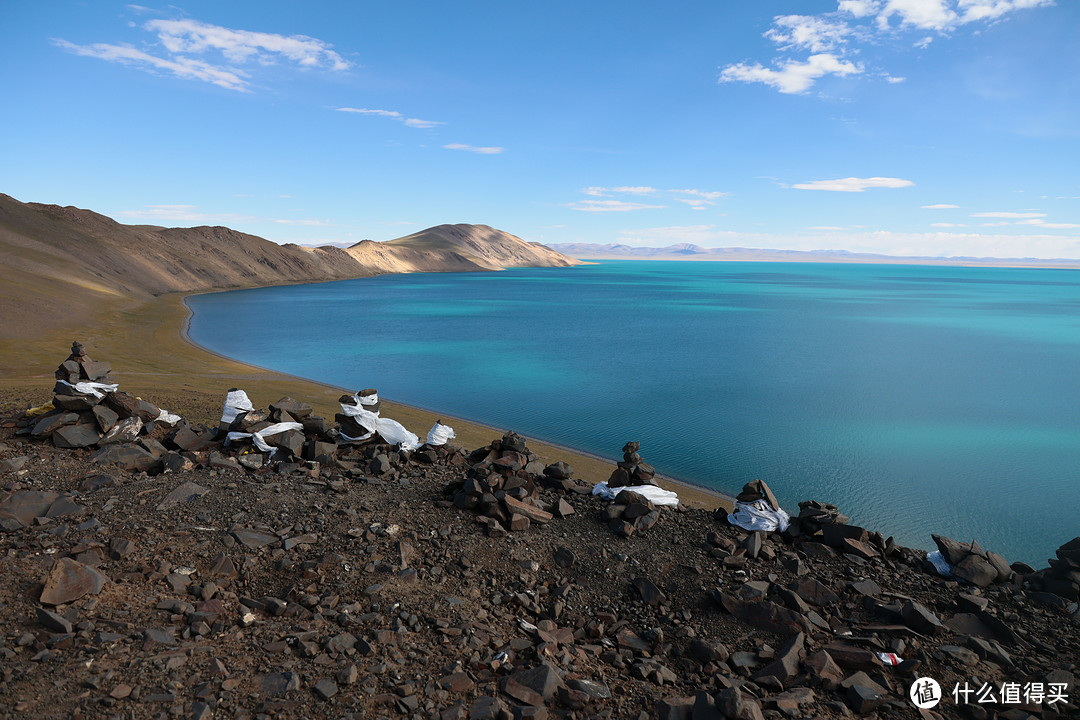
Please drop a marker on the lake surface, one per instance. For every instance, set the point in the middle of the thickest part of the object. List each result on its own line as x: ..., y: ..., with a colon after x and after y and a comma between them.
x: 918, y: 399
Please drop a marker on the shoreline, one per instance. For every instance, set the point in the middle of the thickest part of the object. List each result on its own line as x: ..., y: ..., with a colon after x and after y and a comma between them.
x: 689, y: 493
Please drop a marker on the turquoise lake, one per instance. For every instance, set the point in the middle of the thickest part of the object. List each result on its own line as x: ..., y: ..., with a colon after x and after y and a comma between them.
x: 918, y: 399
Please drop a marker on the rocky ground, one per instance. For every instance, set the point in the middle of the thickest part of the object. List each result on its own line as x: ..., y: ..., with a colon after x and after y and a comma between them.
x: 196, y: 581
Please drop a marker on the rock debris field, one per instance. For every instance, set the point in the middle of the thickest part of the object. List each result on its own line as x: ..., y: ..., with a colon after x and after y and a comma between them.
x: 152, y: 570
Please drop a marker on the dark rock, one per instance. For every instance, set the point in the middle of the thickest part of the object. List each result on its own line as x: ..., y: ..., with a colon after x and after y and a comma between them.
x: 76, y: 436
x: 786, y: 665
x: 182, y: 494
x: 126, y: 456
x: 124, y: 431
x: 49, y: 424
x: 105, y: 417
x: 278, y: 684
x: 69, y: 580
x: 53, y: 621
x: 919, y: 618
x: 25, y: 505
x: 564, y: 557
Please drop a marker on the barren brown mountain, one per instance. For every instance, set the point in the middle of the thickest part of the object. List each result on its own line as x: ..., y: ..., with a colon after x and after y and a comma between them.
x: 57, y: 262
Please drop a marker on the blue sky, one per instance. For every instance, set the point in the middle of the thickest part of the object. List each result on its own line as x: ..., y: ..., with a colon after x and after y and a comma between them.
x: 911, y: 127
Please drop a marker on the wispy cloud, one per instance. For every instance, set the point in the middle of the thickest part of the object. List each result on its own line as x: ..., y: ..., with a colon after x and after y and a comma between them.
x: 697, y: 200
x: 183, y: 213
x: 1013, y: 215
x: 306, y: 223
x: 628, y: 190
x: 940, y: 206
x: 187, y: 68
x: 240, y: 46
x: 474, y: 149
x: 834, y: 38
x: 408, y: 121
x: 611, y: 206
x: 853, y: 184
x: 179, y: 41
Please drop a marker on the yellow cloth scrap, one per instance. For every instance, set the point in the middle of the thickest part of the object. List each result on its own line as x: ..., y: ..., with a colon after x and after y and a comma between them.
x: 40, y: 410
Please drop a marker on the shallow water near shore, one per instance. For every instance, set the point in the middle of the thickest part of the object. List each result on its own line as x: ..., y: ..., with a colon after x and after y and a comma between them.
x: 919, y: 399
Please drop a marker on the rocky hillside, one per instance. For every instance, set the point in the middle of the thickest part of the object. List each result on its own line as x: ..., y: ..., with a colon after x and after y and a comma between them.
x: 56, y: 260
x: 147, y: 569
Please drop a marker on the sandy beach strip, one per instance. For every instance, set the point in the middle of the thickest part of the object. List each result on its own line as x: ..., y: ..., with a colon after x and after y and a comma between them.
x: 152, y: 356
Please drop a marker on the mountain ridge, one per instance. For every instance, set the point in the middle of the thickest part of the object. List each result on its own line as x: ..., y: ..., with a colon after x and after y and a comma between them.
x: 60, y: 260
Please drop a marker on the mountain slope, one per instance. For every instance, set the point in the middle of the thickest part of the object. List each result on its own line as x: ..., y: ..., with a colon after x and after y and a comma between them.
x: 483, y: 245
x: 57, y: 262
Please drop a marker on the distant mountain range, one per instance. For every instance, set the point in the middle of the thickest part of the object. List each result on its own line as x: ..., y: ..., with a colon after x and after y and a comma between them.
x: 689, y: 251
x: 58, y: 260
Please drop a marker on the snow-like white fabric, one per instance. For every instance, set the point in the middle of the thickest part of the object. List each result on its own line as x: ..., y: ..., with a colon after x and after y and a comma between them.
x: 389, y: 430
x: 759, y: 516
x: 439, y: 434
x: 236, y: 402
x: 168, y: 418
x: 944, y: 569
x: 98, y: 390
x: 655, y: 495
x: 258, y: 438
x: 367, y: 399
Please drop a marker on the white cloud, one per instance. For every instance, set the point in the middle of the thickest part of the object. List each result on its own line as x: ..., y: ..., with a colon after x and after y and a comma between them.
x: 1014, y: 215
x: 409, y: 122
x: 182, y: 39
x: 187, y: 68
x: 793, y: 77
x: 306, y: 223
x: 808, y: 32
x: 473, y: 149
x: 853, y: 184
x: 940, y: 206
x: 706, y: 194
x: 922, y: 14
x: 836, y: 37
x: 974, y: 10
x: 184, y: 213
x: 611, y: 206
x: 238, y: 46
x: 697, y: 200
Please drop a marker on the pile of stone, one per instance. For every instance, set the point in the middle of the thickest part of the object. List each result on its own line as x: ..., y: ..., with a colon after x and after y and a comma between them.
x: 822, y: 524
x: 369, y: 400
x: 88, y: 410
x: 504, y: 484
x: 1059, y: 584
x: 630, y: 512
x: 969, y: 562
x: 632, y: 470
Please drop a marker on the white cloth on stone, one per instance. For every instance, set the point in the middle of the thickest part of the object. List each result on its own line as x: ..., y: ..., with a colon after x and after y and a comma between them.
x: 389, y: 430
x: 258, y: 438
x: 759, y: 516
x: 655, y: 495
x: 439, y: 434
x: 236, y: 402
x: 98, y: 390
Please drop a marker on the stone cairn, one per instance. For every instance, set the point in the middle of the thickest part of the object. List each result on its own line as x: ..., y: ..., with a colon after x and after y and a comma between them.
x: 630, y: 512
x: 632, y: 470
x: 89, y: 411
x: 505, y: 484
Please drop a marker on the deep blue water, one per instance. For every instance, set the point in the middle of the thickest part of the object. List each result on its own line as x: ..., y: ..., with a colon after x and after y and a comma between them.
x: 918, y: 399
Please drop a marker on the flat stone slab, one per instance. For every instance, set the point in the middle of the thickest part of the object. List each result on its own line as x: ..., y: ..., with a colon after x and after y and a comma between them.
x: 182, y: 494
x: 70, y: 580
x: 25, y: 505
